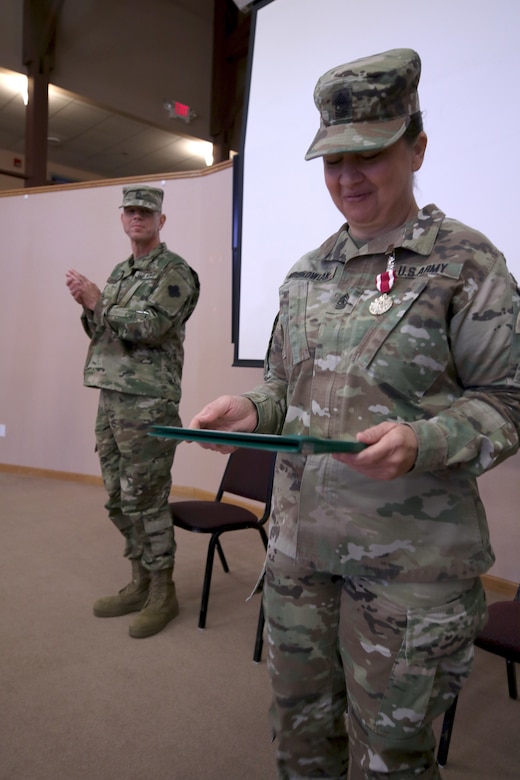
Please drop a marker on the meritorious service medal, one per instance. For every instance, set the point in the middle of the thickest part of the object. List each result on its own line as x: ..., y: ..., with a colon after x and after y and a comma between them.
x: 384, y: 283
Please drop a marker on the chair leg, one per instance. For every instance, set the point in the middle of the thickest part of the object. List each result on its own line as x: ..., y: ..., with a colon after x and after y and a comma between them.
x: 222, y: 557
x: 445, y: 738
x: 259, y: 642
x: 213, y: 542
x: 511, y: 679
x: 263, y: 534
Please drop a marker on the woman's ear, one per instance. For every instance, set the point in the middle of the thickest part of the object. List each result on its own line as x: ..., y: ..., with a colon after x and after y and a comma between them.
x: 419, y: 148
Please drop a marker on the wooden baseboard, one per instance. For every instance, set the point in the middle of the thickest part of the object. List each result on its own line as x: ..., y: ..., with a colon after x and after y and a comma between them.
x: 68, y: 476
x: 496, y: 584
x: 177, y: 492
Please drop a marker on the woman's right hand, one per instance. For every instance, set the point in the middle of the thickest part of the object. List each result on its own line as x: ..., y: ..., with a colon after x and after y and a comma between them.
x: 226, y: 413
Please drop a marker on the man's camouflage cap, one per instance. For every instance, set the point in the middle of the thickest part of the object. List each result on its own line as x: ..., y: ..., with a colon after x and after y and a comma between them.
x: 366, y: 104
x: 145, y: 197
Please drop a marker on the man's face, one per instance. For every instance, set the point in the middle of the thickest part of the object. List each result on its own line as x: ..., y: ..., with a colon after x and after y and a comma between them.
x: 141, y: 225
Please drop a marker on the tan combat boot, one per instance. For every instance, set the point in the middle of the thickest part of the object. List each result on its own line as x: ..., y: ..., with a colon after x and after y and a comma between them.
x: 161, y: 606
x: 131, y: 598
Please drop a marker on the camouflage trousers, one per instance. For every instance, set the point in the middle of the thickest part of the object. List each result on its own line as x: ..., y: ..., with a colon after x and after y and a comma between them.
x: 390, y: 656
x: 136, y: 471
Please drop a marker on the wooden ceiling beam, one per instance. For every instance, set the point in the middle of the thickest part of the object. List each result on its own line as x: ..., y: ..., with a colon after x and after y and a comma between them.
x: 40, y: 20
x: 231, y: 31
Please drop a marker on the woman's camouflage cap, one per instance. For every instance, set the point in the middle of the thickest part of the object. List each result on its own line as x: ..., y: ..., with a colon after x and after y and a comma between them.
x: 143, y: 196
x: 366, y: 104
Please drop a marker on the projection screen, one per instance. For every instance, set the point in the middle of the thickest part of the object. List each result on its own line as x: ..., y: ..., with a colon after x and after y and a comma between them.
x: 470, y: 57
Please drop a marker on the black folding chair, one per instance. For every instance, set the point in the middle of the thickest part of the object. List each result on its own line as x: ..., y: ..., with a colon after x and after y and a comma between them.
x: 500, y: 636
x: 248, y: 475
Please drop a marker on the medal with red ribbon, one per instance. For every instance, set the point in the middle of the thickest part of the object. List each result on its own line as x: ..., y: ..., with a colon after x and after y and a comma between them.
x: 384, y: 283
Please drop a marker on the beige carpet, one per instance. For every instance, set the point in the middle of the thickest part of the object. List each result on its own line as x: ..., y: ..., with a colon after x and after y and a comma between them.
x: 80, y: 700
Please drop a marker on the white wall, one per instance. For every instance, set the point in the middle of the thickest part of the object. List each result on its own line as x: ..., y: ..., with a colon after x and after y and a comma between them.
x: 470, y: 56
x: 49, y: 415
x: 500, y: 490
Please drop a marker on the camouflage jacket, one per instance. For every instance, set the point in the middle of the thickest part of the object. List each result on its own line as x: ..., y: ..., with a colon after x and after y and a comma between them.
x: 443, y: 359
x: 138, y: 325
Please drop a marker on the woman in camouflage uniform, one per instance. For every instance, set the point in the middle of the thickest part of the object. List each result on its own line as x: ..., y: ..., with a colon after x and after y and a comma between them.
x: 400, y: 331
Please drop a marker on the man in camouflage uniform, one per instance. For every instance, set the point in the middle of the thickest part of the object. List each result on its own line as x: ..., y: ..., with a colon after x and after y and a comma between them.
x: 136, y: 328
x: 402, y: 333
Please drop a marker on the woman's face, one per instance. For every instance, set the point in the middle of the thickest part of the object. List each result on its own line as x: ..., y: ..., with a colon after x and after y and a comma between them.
x: 374, y: 190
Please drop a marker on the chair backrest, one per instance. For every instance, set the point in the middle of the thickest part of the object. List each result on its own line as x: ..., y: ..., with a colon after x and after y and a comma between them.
x: 249, y: 474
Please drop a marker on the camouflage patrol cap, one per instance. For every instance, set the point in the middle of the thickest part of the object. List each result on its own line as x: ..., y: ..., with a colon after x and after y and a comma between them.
x: 366, y: 104
x: 145, y: 197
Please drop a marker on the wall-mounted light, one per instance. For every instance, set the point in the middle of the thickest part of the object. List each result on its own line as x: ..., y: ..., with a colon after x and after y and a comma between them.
x: 17, y: 83
x: 208, y: 155
x: 202, y: 149
x: 24, y: 90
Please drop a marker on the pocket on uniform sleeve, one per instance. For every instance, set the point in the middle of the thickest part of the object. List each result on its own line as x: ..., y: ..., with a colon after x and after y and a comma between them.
x: 293, y: 309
